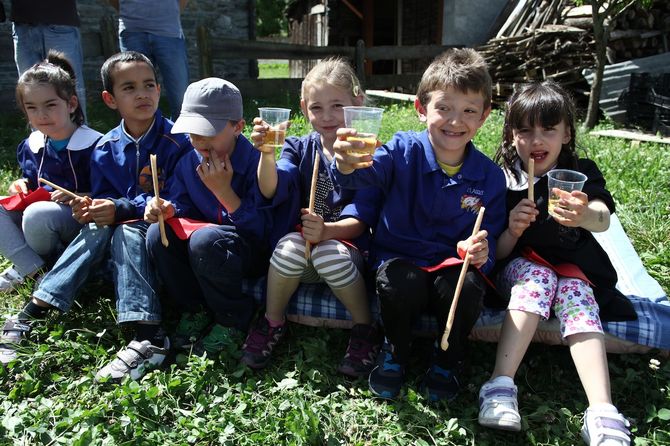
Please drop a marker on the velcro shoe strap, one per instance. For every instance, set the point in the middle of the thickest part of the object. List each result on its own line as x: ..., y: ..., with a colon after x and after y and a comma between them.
x: 613, y: 426
x: 14, y: 325
x: 134, y: 354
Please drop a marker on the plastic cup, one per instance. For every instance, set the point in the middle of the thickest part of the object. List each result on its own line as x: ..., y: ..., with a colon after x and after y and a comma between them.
x: 367, y: 121
x: 563, y: 180
x: 277, y: 119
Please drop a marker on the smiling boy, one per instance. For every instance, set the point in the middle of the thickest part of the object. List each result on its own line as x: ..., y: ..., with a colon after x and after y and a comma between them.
x: 216, y: 185
x: 120, y: 190
x: 434, y: 183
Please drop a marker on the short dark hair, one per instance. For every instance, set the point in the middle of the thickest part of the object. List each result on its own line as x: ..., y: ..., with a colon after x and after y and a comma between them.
x: 463, y: 69
x: 125, y: 56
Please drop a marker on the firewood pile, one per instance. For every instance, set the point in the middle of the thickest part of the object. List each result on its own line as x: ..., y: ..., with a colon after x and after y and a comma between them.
x: 553, y: 39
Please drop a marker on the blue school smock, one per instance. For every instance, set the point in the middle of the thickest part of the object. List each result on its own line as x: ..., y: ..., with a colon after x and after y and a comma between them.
x: 192, y: 199
x: 294, y: 177
x: 425, y: 213
x: 68, y: 168
x: 121, y: 170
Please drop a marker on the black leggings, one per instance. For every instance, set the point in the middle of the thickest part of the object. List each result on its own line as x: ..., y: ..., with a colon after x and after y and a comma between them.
x: 406, y: 291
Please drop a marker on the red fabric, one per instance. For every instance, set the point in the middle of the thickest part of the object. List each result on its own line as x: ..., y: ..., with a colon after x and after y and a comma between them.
x: 21, y: 201
x: 184, y: 227
x: 453, y: 261
x: 562, y: 269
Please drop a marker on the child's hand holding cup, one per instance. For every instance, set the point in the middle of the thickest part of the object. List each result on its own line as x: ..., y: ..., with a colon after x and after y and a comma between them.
x: 561, y: 181
x: 366, y: 121
x: 277, y: 120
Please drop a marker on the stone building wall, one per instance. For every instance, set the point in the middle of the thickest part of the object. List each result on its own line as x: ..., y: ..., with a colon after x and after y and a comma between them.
x: 231, y: 19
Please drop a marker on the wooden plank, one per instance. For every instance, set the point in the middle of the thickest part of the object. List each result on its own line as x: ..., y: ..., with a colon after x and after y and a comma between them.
x: 252, y: 49
x: 391, y: 95
x: 628, y: 134
x: 384, y: 52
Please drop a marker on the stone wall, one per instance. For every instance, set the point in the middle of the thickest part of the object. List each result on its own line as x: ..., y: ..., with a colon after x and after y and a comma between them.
x: 233, y: 19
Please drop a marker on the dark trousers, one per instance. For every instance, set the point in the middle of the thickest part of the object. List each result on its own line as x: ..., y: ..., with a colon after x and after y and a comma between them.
x: 207, y: 271
x: 406, y: 291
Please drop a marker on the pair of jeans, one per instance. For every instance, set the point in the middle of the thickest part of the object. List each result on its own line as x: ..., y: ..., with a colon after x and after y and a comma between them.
x: 133, y: 275
x: 207, y: 270
x: 36, y: 236
x: 32, y: 43
x: 406, y: 291
x: 169, y: 53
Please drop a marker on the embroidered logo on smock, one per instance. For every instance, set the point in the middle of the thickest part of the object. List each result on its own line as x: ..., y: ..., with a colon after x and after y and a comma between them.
x: 471, y: 203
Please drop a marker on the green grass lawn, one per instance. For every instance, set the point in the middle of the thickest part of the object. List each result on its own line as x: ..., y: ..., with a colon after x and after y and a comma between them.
x: 50, y: 396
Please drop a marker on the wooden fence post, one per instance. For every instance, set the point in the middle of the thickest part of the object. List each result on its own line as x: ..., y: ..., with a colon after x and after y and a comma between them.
x: 204, y: 52
x: 359, y: 61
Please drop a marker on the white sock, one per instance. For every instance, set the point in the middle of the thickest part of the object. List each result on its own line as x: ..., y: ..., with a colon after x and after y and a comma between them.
x: 603, y: 407
x: 504, y: 381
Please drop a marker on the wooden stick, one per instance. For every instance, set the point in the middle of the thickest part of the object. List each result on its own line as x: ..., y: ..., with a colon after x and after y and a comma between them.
x: 58, y: 188
x: 444, y: 344
x: 531, y: 179
x: 161, y: 220
x: 312, y: 195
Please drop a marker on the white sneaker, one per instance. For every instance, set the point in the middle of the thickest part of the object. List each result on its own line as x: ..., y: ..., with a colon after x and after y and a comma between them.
x: 605, y: 426
x: 10, y: 279
x: 134, y: 360
x: 13, y: 332
x: 498, y: 407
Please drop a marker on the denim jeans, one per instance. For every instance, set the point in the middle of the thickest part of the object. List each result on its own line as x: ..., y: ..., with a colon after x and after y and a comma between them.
x: 169, y: 53
x: 32, y: 43
x: 207, y: 270
x: 134, y: 278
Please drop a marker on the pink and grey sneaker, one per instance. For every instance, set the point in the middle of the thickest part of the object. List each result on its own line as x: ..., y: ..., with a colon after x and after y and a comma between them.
x: 257, y: 349
x: 361, y: 352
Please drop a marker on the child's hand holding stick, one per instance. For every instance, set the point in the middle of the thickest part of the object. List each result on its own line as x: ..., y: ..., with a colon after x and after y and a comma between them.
x: 531, y: 179
x: 161, y: 221
x: 312, y: 196
x: 444, y: 344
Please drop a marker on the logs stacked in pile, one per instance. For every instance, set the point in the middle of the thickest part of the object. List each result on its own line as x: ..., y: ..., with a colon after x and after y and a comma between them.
x: 534, y: 45
x: 637, y: 32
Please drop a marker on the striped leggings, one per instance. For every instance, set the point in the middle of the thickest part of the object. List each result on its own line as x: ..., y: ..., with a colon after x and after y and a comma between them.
x: 331, y: 261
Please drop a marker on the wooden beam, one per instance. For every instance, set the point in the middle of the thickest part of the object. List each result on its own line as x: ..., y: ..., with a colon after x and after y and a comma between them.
x: 353, y: 9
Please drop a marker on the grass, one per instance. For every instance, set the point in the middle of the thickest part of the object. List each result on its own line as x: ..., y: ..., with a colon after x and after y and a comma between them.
x: 273, y: 69
x: 51, y: 398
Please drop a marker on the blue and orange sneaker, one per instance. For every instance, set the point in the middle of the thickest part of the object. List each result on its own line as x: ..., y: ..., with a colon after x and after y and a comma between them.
x: 388, y: 376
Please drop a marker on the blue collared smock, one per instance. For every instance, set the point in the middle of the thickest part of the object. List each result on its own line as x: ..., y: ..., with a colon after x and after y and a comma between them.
x: 120, y: 166
x: 192, y: 199
x: 425, y: 213
x: 69, y: 168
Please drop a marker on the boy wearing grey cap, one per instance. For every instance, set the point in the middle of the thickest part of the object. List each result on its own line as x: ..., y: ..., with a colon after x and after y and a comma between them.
x: 205, y: 261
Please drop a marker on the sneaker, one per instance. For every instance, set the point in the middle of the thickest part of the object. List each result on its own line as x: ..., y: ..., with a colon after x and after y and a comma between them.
x: 257, y: 348
x: 441, y: 384
x: 13, y: 332
x: 605, y: 427
x: 498, y: 407
x: 189, y: 329
x: 10, y: 279
x: 218, y: 339
x: 361, y: 351
x: 134, y: 360
x: 388, y: 376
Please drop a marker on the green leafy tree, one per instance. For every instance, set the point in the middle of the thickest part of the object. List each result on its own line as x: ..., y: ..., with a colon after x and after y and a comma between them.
x: 603, y: 14
x: 271, y: 17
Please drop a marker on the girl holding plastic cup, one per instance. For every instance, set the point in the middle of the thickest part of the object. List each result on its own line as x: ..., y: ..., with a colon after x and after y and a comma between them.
x: 552, y: 262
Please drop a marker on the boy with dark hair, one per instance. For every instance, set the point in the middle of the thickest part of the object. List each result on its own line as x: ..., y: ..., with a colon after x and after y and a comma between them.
x: 216, y: 185
x: 121, y: 186
x: 434, y: 183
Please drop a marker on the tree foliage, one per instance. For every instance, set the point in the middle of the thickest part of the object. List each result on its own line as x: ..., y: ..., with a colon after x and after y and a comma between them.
x: 271, y: 18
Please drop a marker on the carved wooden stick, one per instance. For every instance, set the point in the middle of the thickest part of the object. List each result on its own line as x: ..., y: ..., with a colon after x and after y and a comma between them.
x: 531, y: 179
x: 58, y: 188
x: 161, y: 220
x: 312, y: 195
x: 444, y: 344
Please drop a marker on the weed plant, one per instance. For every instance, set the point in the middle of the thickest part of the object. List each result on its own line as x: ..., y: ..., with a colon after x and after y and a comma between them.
x: 50, y: 397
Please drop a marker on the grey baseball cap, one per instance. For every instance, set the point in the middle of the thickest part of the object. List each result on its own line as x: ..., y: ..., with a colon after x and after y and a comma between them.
x: 208, y: 106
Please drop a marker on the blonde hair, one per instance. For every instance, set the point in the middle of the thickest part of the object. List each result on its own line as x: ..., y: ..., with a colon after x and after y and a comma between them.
x: 461, y: 68
x: 334, y: 71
